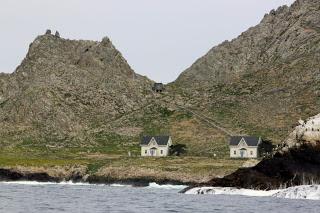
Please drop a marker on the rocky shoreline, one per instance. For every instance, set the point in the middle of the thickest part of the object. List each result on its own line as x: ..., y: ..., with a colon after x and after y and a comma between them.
x: 15, y: 175
x: 296, y: 162
x: 298, y: 166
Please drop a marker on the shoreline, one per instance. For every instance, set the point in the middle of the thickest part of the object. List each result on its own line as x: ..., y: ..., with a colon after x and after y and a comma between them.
x: 12, y: 175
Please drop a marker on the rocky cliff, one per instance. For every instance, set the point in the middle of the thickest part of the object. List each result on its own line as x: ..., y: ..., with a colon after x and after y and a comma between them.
x: 266, y: 79
x: 64, y: 89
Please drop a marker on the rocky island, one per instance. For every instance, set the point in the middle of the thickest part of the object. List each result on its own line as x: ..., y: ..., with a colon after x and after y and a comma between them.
x: 74, y: 109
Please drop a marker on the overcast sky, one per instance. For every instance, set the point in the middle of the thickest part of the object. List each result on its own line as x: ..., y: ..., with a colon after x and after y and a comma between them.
x: 159, y: 38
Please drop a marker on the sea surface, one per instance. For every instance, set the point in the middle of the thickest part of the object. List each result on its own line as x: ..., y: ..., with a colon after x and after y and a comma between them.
x: 36, y: 197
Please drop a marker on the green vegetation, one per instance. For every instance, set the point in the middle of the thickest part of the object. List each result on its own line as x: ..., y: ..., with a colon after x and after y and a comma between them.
x: 95, y: 160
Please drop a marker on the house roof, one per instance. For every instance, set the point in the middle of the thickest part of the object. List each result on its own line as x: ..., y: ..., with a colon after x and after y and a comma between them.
x: 250, y: 140
x: 158, y: 86
x: 161, y: 140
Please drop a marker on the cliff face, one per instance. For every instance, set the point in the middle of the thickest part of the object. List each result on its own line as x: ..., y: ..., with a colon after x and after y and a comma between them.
x: 264, y: 80
x: 64, y: 89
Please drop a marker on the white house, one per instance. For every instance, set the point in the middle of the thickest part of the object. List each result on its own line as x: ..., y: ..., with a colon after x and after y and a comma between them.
x: 155, y: 146
x: 244, y: 147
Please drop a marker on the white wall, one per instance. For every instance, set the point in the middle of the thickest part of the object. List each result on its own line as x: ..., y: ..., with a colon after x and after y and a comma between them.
x: 236, y: 149
x: 165, y: 151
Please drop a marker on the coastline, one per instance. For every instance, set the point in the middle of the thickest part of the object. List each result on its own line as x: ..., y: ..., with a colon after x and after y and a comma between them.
x: 12, y: 175
x: 134, y: 170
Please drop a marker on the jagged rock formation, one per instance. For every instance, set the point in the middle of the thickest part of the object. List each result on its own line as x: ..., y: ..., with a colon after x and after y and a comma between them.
x: 266, y: 79
x: 307, y: 131
x: 65, y: 89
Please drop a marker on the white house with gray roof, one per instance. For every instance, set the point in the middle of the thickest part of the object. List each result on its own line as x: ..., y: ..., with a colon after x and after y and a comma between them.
x: 244, y: 147
x: 155, y: 146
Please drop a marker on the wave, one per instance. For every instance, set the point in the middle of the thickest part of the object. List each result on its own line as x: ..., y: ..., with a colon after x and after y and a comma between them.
x: 230, y: 191
x: 45, y: 183
x: 120, y: 185
x: 311, y: 192
x: 151, y: 185
x: 167, y: 186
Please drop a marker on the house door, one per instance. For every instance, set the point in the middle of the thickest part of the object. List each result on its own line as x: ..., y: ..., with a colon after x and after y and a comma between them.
x: 153, y: 152
x: 243, y: 153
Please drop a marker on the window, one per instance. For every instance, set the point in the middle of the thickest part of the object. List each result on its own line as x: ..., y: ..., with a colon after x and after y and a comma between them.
x: 161, y: 152
x: 234, y: 152
x: 146, y: 151
x: 251, y: 152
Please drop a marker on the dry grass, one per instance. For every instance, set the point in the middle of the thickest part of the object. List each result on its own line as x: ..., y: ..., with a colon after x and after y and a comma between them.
x: 195, y: 169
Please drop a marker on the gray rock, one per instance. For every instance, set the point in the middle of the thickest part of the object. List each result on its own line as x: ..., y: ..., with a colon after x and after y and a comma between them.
x: 57, y: 34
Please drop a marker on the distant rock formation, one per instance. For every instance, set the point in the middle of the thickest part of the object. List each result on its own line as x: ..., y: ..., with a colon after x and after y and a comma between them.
x: 48, y: 32
x: 57, y: 34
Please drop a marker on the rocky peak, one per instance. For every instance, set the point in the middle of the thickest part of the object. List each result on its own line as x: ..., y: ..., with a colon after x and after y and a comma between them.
x: 63, y: 86
x: 282, y: 35
x: 264, y: 80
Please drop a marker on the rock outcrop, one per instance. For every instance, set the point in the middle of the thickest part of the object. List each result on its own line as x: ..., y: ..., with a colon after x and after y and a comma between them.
x: 307, y: 131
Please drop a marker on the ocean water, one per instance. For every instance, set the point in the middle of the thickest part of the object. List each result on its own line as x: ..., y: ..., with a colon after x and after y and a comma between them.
x: 36, y: 197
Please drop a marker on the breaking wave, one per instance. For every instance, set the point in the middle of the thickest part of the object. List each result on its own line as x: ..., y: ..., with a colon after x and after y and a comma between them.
x: 151, y: 185
x: 230, y: 191
x: 167, y: 186
x: 45, y: 183
x: 311, y: 192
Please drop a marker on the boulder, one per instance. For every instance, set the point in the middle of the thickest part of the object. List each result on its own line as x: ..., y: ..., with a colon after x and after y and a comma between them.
x: 57, y: 34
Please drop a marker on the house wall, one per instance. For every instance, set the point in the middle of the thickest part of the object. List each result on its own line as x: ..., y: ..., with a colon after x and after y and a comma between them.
x: 254, y: 151
x: 145, y: 149
x: 165, y: 150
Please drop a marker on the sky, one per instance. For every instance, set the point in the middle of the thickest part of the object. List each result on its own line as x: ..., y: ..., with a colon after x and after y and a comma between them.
x: 159, y: 38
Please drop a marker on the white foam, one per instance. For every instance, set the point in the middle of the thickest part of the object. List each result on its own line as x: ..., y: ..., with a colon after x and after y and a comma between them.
x: 119, y: 185
x: 311, y: 192
x: 167, y: 186
x: 151, y: 185
x: 230, y: 191
x: 44, y: 183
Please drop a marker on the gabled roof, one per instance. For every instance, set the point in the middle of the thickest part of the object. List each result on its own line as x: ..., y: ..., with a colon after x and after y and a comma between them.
x: 161, y: 140
x: 251, y: 141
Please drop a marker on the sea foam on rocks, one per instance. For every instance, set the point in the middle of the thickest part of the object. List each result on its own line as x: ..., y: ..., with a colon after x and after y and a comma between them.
x: 230, y: 191
x: 311, y: 192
